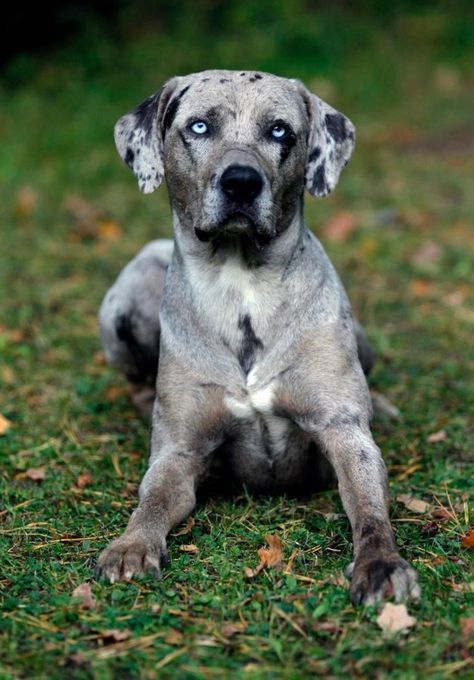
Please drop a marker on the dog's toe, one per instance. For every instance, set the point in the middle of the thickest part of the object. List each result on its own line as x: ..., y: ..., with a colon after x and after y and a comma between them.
x: 384, y: 578
x: 131, y: 555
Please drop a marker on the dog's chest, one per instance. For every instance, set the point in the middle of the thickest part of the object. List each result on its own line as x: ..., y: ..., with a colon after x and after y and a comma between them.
x: 237, y: 305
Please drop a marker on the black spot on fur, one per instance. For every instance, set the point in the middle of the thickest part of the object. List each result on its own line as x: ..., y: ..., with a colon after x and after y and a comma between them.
x: 336, y: 126
x: 250, y: 343
x: 224, y: 80
x: 172, y: 110
x: 143, y: 358
x: 343, y: 420
x: 129, y: 157
x: 319, y: 185
x: 252, y: 80
x: 146, y: 111
x: 243, y: 73
x: 315, y: 154
x: 258, y: 76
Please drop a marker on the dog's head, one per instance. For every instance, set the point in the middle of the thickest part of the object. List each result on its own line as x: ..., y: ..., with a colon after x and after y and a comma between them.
x: 236, y: 149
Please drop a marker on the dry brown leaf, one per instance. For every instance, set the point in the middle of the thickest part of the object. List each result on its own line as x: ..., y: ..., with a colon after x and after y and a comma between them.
x: 187, y: 528
x: 83, y: 593
x: 429, y: 253
x: 467, y: 541
x: 189, y: 548
x: 435, y: 437
x: 36, y: 474
x: 174, y: 637
x: 441, y: 514
x: 421, y: 287
x: 115, y: 635
x: 5, y: 424
x: 83, y: 480
x: 230, y: 628
x: 340, y: 227
x: 394, y: 618
x: 467, y: 626
x: 114, y: 392
x: 26, y: 202
x: 7, y: 375
x: 109, y: 230
x: 269, y: 557
x: 413, y: 504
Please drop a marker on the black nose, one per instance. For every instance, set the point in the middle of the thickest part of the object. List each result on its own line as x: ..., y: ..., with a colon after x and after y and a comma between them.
x: 241, y: 183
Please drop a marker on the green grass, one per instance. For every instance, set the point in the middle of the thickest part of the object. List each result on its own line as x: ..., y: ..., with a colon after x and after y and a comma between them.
x: 409, y: 89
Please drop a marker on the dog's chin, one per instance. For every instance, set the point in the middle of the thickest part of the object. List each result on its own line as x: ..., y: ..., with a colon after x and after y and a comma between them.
x: 236, y: 224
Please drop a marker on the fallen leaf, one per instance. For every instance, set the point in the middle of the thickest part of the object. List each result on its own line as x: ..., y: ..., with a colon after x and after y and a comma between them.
x: 394, y: 618
x: 83, y: 593
x: 174, y: 637
x: 429, y: 529
x: 325, y: 627
x: 429, y: 253
x: 109, y: 230
x: 36, y: 474
x: 421, y: 287
x: 115, y: 635
x: 435, y: 437
x: 83, y: 480
x: 339, y: 227
x: 26, y: 202
x: 269, y: 557
x: 115, y: 392
x: 229, y: 628
x: 7, y: 375
x: 5, y: 424
x: 413, y: 504
x: 467, y: 541
x: 441, y: 514
x: 467, y: 626
x: 189, y: 548
x: 187, y: 528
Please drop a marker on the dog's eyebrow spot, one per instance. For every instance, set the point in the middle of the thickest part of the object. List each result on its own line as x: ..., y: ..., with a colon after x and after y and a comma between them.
x: 336, y: 126
x: 172, y: 110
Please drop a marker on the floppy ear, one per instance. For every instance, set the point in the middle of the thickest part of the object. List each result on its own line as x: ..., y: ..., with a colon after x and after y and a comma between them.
x: 330, y: 145
x: 139, y: 138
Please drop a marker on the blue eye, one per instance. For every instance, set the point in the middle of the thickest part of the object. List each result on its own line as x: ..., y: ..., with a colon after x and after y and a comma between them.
x: 199, y: 127
x: 278, y: 131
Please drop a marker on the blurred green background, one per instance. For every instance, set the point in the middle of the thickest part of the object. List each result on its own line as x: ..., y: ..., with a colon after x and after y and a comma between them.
x: 399, y: 228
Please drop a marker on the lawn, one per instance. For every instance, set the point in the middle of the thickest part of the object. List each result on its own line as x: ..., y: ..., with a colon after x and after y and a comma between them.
x: 399, y: 229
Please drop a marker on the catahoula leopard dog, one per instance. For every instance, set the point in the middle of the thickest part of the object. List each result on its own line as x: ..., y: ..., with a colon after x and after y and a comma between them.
x: 242, y: 321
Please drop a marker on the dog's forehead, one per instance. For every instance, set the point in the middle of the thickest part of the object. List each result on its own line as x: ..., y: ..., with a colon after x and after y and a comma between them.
x: 240, y: 90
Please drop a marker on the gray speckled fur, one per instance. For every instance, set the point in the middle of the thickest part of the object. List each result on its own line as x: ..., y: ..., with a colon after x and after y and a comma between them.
x: 259, y: 356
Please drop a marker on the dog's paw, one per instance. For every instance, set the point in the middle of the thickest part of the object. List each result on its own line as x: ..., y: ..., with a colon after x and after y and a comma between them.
x: 382, y: 578
x: 130, y: 555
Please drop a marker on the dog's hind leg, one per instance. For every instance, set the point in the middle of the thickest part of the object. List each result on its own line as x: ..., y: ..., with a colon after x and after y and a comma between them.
x: 129, y: 320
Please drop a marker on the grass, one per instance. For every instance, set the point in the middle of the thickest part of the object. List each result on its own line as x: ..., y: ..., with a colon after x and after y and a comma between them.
x: 71, y: 216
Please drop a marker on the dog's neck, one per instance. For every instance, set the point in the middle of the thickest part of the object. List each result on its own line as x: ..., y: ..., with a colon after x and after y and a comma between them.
x: 274, y: 253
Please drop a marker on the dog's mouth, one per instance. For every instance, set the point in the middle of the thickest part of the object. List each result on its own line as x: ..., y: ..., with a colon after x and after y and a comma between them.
x: 236, y: 222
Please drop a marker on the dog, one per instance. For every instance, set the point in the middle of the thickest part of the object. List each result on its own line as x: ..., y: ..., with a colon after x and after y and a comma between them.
x: 242, y: 321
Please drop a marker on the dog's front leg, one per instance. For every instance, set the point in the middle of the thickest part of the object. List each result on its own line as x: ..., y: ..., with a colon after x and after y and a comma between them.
x: 167, y: 496
x: 187, y: 428
x: 378, y: 571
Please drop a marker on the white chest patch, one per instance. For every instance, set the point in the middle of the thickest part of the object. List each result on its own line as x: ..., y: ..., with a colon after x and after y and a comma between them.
x: 258, y: 403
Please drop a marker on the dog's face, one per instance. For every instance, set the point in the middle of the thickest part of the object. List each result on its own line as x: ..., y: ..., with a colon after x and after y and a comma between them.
x: 236, y: 148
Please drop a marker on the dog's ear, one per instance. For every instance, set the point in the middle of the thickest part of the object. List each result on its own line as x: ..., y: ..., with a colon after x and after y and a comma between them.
x: 139, y: 138
x: 330, y: 145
